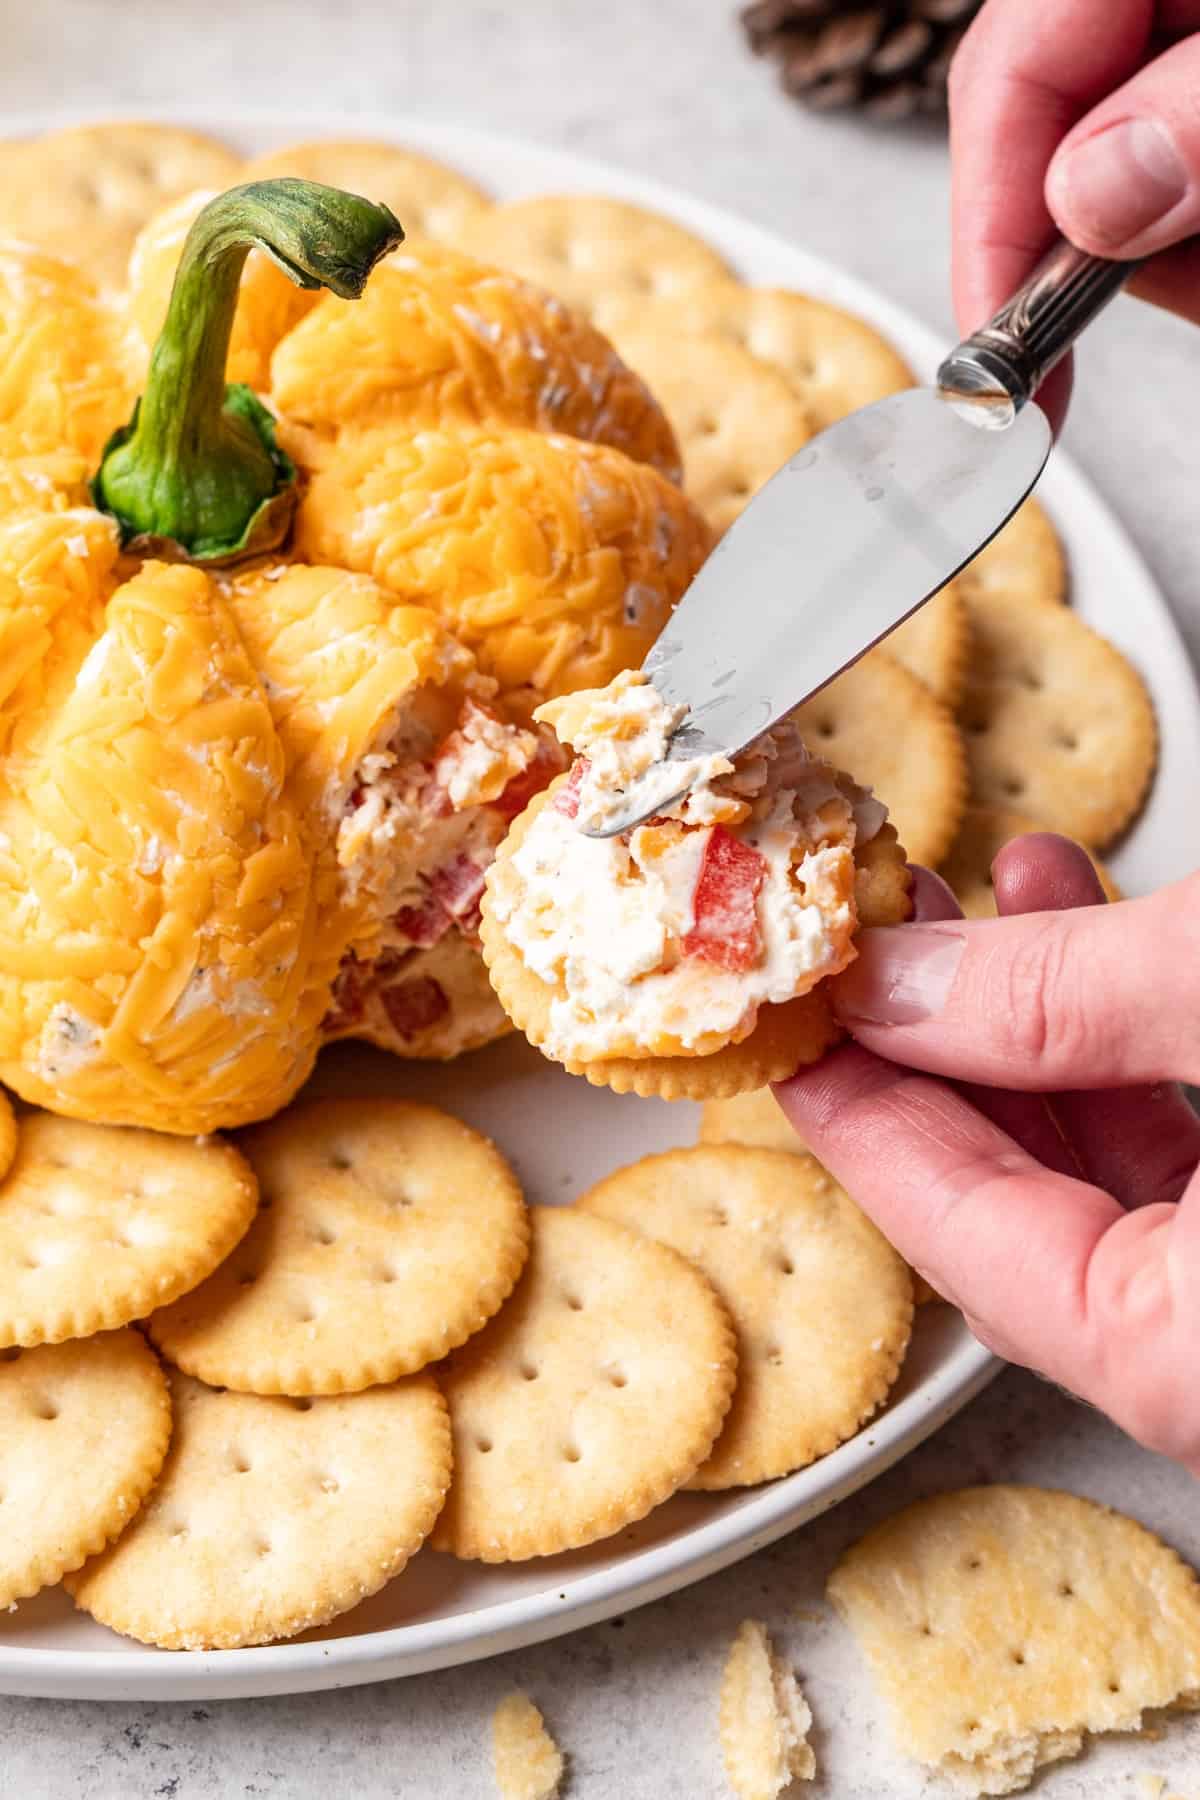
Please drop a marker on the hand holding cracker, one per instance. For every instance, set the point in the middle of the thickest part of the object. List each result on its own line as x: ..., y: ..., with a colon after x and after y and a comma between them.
x: 1068, y: 1229
x: 684, y: 957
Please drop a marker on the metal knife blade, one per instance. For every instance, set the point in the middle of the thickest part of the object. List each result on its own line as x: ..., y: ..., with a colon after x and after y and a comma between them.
x: 854, y: 533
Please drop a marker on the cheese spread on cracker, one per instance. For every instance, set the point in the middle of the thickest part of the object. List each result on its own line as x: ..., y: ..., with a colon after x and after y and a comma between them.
x: 676, y: 933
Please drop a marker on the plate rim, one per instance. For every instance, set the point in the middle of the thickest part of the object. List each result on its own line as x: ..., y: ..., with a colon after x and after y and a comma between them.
x: 647, y: 1574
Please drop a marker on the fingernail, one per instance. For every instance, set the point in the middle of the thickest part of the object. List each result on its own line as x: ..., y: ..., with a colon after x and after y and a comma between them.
x: 902, y: 974
x: 1115, y: 186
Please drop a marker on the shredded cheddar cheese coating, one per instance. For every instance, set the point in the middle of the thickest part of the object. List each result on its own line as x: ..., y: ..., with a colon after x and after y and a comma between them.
x: 241, y: 813
x: 176, y: 759
x: 557, y: 562
x: 66, y: 369
x: 438, y: 339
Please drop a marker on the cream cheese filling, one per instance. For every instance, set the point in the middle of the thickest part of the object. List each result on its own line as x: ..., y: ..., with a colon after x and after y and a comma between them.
x: 671, y: 937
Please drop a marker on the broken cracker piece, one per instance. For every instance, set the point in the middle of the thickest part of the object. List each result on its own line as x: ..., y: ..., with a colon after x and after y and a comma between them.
x: 528, y: 1762
x: 765, y: 1719
x: 1005, y: 1624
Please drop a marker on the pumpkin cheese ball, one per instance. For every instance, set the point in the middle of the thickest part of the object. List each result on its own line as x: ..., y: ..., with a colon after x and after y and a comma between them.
x: 684, y: 957
x: 275, y: 782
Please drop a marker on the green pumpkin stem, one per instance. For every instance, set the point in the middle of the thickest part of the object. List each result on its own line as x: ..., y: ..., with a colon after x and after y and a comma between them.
x: 197, y: 472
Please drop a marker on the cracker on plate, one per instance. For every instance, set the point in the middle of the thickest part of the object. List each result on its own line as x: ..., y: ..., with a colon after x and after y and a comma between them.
x: 585, y: 247
x: 755, y: 1119
x: 758, y: 1120
x: 821, y: 1303
x: 736, y: 419
x: 935, y: 644
x: 982, y: 835
x: 429, y: 198
x: 590, y: 1398
x: 1024, y: 561
x: 273, y: 1515
x: 1004, y: 1624
x: 86, y: 192
x: 387, y: 1233
x: 877, y: 720
x: 101, y: 1223
x: 1057, y: 722
x: 83, y: 1432
x: 834, y: 361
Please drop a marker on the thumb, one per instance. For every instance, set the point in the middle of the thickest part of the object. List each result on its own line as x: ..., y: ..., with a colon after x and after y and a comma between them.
x: 1107, y: 996
x: 1125, y: 182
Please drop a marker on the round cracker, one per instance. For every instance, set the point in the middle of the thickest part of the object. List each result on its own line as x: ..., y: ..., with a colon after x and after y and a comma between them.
x: 273, y: 1515
x: 584, y: 247
x: 1057, y: 721
x: 429, y: 198
x: 756, y: 1120
x: 736, y: 419
x: 833, y: 361
x: 935, y: 644
x: 877, y: 720
x: 101, y: 1223
x: 821, y: 1302
x: 784, y: 1038
x: 83, y: 1432
x: 388, y: 1232
x: 8, y: 1134
x: 86, y: 192
x: 1024, y: 561
x: 1002, y: 1623
x: 595, y: 1394
x: 982, y: 835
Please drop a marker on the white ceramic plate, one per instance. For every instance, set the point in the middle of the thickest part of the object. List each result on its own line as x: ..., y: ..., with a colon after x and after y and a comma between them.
x: 563, y: 1134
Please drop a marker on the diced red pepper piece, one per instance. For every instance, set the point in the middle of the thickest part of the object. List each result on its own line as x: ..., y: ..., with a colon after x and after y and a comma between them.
x: 414, y: 1005
x: 423, y: 925
x: 567, y: 799
x: 547, y: 762
x: 725, y: 929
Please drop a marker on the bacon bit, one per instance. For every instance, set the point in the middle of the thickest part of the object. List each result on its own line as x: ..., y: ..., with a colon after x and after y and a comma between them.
x: 458, y: 889
x: 567, y: 800
x: 414, y: 1005
x: 548, y: 761
x: 348, y: 1001
x: 423, y: 925
x: 725, y: 928
x: 435, y: 799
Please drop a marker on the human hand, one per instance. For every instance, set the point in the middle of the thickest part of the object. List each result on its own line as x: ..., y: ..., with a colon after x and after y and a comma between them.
x: 1067, y: 1228
x: 1082, y: 118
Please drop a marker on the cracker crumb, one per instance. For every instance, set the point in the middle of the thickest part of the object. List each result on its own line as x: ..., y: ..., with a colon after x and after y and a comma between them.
x: 528, y: 1762
x: 764, y: 1718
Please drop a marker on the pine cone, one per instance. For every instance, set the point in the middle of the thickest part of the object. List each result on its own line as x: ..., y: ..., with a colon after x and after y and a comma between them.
x: 890, y: 59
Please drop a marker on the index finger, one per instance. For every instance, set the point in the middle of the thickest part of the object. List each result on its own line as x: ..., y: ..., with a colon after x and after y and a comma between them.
x: 1025, y: 73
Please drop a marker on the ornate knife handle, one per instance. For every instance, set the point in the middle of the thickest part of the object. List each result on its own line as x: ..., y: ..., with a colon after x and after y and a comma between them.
x: 1006, y: 361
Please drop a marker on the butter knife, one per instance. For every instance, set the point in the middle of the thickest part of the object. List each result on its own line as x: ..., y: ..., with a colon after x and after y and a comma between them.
x: 863, y: 526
